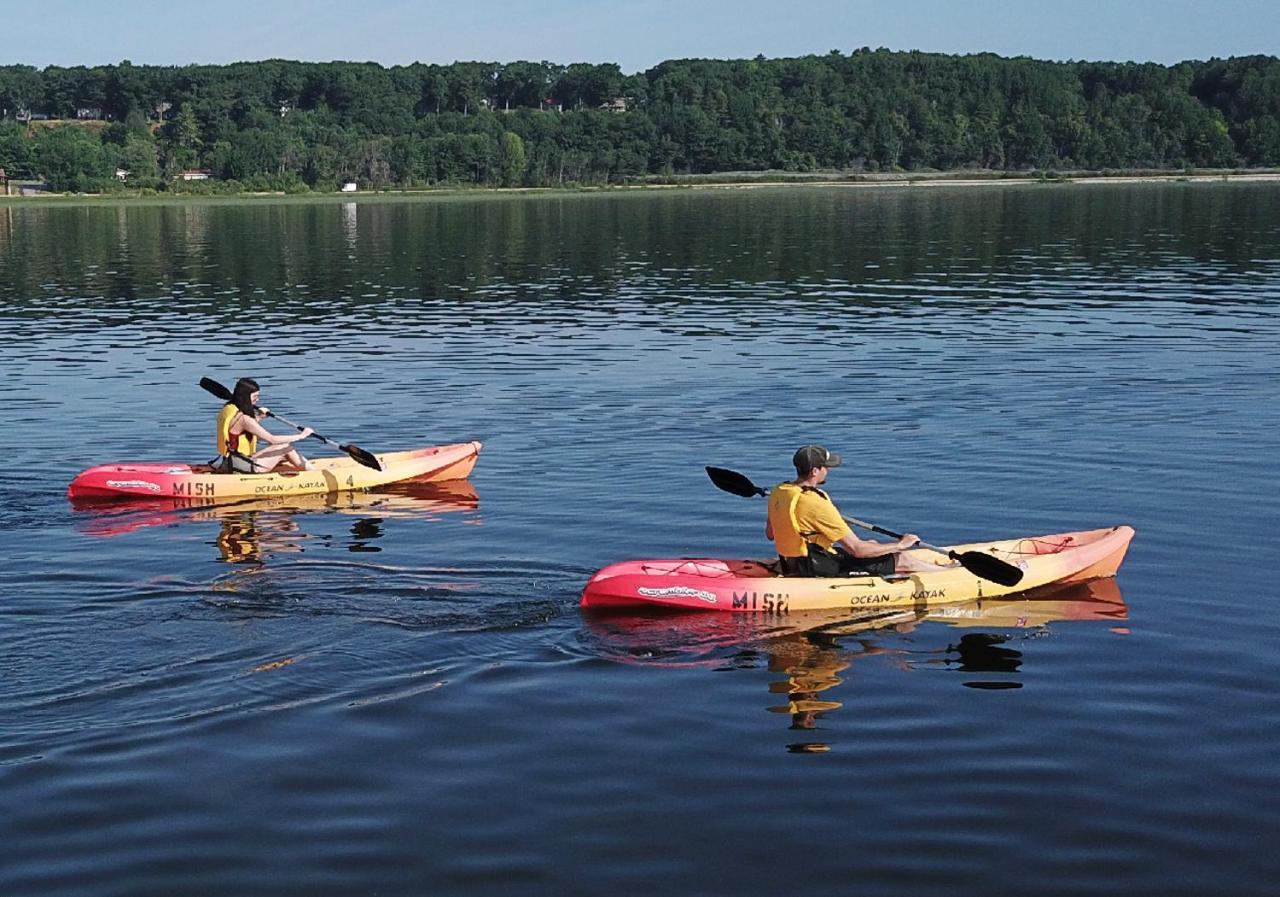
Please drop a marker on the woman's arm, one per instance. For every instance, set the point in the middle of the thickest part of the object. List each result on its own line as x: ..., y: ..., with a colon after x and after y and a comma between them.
x: 252, y: 426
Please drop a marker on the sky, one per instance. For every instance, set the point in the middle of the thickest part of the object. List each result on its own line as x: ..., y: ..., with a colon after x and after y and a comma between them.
x: 637, y: 34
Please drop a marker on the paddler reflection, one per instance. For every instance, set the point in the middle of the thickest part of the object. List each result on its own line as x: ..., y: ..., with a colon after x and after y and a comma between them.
x: 272, y: 526
x: 251, y: 536
x: 248, y: 537
x: 811, y: 662
x: 811, y: 665
x: 251, y: 530
x: 814, y: 653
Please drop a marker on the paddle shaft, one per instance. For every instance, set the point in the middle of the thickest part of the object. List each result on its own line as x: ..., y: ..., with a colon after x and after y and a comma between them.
x: 299, y: 428
x: 364, y: 457
x: 854, y: 521
x: 360, y: 455
x: 984, y: 565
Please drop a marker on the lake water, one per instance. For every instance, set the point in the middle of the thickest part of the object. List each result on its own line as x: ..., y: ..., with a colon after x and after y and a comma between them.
x: 397, y: 693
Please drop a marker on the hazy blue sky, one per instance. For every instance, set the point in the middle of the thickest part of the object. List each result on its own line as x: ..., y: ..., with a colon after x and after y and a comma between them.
x: 636, y: 34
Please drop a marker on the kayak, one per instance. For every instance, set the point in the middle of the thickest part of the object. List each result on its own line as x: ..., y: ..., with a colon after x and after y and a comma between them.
x: 744, y: 586
x: 174, y: 479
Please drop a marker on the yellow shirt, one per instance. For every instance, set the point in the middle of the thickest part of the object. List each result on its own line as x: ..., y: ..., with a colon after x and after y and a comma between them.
x: 801, y: 516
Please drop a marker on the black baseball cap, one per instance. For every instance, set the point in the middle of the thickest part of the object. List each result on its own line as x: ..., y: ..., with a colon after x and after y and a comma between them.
x: 809, y: 457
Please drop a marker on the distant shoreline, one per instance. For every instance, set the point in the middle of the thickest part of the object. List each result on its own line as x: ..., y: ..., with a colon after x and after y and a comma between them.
x: 721, y: 181
x: 958, y: 178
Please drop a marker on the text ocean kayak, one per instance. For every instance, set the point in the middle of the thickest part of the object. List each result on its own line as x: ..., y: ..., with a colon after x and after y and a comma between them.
x: 750, y: 586
x: 151, y: 479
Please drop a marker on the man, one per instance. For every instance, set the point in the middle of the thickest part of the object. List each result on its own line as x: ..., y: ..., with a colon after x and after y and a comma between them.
x: 811, y: 536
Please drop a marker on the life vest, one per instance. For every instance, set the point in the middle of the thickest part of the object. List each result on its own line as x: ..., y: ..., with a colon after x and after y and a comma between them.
x: 242, y: 443
x: 787, y: 535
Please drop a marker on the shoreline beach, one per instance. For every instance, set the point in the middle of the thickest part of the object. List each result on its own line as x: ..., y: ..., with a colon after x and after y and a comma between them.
x: 724, y: 181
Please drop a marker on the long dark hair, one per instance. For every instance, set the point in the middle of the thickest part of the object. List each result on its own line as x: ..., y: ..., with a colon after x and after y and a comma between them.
x: 245, y: 387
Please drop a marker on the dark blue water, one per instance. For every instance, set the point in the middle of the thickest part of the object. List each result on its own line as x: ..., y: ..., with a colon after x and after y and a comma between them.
x: 396, y: 693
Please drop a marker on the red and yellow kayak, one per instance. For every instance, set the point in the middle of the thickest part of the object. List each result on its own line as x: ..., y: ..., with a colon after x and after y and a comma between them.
x: 751, y: 586
x: 175, y: 479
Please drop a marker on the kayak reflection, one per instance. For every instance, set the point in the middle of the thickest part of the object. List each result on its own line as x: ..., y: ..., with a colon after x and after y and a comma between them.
x: 250, y: 530
x: 810, y: 651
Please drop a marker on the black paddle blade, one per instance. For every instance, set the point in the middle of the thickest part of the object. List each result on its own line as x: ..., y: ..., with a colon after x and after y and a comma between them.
x: 733, y: 482
x: 213, y: 386
x: 363, y: 457
x: 989, y: 567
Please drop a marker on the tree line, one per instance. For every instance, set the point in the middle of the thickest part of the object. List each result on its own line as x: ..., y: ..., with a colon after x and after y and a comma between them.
x: 297, y: 126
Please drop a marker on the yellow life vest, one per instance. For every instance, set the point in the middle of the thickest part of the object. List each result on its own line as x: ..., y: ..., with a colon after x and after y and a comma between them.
x: 803, y: 516
x: 782, y: 518
x: 245, y: 443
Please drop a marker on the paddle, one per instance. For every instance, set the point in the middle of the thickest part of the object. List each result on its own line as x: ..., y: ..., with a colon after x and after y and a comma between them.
x: 984, y: 565
x: 357, y: 453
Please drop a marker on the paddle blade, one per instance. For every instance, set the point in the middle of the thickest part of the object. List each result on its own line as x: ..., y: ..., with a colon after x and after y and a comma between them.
x: 989, y: 567
x: 733, y: 482
x: 361, y: 456
x: 213, y: 386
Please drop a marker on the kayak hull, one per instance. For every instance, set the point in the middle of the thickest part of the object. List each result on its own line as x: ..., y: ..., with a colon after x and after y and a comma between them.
x: 743, y: 586
x: 134, y: 481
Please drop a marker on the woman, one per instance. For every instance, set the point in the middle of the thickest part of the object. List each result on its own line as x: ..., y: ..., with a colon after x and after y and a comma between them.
x: 239, y: 432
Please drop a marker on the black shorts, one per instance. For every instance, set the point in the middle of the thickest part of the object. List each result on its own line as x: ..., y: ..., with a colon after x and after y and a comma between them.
x: 837, y: 563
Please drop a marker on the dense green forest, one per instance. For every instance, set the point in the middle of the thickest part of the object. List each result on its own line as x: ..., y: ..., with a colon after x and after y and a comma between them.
x: 284, y: 125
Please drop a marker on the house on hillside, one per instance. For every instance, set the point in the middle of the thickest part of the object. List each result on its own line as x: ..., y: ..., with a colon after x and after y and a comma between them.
x: 617, y: 104
x: 196, y: 174
x: 550, y: 105
x: 25, y: 188
x: 18, y: 187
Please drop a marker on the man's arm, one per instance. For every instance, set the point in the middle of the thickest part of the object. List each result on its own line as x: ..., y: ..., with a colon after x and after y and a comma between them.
x: 868, y: 548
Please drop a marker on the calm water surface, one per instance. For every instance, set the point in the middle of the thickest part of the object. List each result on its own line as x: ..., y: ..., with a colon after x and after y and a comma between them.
x: 396, y: 693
